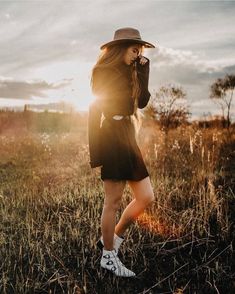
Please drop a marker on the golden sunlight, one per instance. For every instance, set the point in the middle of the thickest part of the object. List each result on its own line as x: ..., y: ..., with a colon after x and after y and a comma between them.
x: 76, y: 92
x: 153, y: 225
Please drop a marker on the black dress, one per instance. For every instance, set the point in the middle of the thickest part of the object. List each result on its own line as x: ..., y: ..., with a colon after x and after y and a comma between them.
x: 112, y: 143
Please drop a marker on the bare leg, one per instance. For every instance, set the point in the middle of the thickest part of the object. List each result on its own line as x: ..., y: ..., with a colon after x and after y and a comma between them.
x: 144, y: 195
x: 113, y: 195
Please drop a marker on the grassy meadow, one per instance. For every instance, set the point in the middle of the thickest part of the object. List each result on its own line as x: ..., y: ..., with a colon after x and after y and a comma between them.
x: 51, y: 203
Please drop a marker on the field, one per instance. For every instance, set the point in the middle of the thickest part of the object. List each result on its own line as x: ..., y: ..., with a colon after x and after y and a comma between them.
x: 51, y: 203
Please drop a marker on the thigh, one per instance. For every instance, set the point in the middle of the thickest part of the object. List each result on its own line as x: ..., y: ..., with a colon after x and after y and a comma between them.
x: 114, y: 189
x: 142, y: 189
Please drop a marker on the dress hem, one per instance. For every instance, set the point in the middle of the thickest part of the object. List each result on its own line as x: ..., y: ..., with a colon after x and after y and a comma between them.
x: 125, y: 179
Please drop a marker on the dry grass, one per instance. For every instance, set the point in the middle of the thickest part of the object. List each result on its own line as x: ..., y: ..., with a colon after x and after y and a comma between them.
x: 51, y: 202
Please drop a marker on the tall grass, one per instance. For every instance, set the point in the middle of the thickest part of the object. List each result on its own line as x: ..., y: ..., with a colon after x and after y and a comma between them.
x: 51, y: 203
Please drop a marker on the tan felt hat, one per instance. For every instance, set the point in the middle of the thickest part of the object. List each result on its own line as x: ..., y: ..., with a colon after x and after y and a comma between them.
x: 123, y: 35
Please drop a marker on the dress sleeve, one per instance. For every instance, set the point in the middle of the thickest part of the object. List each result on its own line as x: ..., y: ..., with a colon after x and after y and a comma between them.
x: 143, y: 76
x: 94, y: 138
x: 104, y: 84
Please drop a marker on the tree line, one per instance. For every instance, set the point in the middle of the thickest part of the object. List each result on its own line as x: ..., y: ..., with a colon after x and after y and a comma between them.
x: 169, y: 104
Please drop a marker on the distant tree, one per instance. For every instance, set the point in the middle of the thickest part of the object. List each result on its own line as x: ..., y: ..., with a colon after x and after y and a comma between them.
x: 221, y: 91
x: 168, y: 106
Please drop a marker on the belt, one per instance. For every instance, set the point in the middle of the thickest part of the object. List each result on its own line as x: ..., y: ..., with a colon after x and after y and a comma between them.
x: 119, y: 117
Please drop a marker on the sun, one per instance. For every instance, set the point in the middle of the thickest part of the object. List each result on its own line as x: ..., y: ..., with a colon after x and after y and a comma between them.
x: 80, y: 94
x: 75, y: 75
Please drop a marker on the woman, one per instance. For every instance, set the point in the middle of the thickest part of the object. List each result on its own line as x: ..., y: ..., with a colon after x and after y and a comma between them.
x: 120, y: 83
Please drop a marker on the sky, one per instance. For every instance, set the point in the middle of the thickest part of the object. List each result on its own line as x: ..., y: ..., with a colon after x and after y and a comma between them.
x: 48, y: 48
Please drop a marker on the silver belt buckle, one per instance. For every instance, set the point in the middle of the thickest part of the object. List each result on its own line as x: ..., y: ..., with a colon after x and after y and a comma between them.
x: 117, y: 117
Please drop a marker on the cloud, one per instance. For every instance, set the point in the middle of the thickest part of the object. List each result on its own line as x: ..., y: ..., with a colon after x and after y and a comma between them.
x: 7, y: 16
x: 192, y: 72
x: 186, y: 68
x: 169, y: 57
x: 41, y: 35
x: 77, y: 29
x: 15, y: 89
x: 194, y: 39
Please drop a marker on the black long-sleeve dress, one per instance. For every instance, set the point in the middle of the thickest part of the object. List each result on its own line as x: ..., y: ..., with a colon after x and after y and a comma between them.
x: 112, y: 143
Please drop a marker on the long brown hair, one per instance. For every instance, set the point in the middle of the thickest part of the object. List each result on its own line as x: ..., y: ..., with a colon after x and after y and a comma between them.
x: 112, y: 56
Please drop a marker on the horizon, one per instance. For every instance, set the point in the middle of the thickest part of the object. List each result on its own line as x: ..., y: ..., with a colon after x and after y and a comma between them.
x: 39, y: 108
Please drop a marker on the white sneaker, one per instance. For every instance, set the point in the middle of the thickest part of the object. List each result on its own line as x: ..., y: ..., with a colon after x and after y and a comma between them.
x: 117, y: 241
x: 110, y: 261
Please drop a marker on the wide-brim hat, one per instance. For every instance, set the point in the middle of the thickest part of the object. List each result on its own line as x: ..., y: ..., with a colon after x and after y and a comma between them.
x: 124, y: 35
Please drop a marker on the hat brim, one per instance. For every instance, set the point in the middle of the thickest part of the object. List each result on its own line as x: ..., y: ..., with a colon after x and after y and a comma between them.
x: 144, y: 43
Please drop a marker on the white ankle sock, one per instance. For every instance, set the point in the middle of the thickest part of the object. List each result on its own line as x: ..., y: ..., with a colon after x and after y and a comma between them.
x: 117, y: 241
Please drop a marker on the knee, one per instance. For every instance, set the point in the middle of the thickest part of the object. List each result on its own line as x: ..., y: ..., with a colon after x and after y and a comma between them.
x: 149, y: 198
x: 112, y: 204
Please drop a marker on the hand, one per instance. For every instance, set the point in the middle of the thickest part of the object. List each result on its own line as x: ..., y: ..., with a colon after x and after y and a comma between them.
x: 142, y: 60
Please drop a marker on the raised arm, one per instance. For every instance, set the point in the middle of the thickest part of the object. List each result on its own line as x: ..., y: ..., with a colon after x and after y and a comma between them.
x: 143, y: 76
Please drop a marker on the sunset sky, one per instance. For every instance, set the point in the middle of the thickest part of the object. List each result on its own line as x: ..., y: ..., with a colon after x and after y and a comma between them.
x: 47, y: 48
